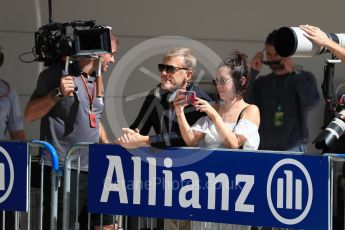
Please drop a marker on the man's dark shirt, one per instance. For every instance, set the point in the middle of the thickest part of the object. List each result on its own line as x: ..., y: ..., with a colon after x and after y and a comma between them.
x: 297, y: 94
x: 158, y: 113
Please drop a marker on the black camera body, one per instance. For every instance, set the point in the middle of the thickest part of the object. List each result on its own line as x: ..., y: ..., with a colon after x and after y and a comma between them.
x: 53, y: 42
x: 330, y: 135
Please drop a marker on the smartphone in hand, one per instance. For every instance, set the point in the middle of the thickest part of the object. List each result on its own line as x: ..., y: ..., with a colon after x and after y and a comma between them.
x: 189, y: 95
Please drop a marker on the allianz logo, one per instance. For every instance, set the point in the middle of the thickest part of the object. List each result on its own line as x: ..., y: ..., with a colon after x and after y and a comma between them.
x: 289, y: 189
x: 6, y: 171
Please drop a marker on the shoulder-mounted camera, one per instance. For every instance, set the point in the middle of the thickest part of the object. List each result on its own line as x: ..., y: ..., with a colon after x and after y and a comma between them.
x: 76, y: 39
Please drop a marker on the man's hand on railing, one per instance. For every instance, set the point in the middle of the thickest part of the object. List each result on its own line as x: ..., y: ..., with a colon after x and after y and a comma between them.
x: 132, y: 139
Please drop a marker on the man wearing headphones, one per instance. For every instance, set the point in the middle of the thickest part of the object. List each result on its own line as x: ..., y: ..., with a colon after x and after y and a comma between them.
x: 157, y: 111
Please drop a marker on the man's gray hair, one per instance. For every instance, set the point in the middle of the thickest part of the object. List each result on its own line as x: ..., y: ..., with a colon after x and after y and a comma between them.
x: 188, y: 56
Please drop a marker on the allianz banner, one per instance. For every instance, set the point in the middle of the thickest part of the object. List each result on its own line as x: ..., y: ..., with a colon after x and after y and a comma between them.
x: 14, y: 176
x: 213, y: 185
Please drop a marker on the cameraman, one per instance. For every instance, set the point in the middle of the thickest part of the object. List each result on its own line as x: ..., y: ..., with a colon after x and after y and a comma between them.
x: 317, y: 36
x: 69, y: 117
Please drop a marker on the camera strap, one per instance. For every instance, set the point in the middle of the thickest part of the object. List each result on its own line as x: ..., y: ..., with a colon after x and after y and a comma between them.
x: 91, y: 96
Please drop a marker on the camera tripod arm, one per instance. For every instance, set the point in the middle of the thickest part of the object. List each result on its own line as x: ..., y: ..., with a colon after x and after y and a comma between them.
x: 327, y: 89
x: 99, y: 83
x: 66, y: 72
x: 67, y: 65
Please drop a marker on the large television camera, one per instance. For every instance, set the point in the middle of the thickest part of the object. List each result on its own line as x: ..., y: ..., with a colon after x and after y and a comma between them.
x: 56, y: 40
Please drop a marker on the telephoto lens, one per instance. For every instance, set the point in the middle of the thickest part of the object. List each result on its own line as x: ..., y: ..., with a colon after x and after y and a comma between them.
x: 290, y: 41
x: 329, y: 136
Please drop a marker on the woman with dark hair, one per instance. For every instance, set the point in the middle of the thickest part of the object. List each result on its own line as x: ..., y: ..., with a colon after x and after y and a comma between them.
x: 231, y: 123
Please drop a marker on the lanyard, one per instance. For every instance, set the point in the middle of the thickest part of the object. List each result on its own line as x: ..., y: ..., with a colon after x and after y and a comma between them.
x: 91, y: 95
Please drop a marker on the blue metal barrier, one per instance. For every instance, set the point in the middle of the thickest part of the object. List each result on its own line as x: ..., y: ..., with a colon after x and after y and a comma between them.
x: 54, y: 182
x: 51, y: 150
x: 257, y: 188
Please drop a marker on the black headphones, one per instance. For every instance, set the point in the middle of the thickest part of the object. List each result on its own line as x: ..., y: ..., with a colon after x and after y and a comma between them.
x: 1, y: 56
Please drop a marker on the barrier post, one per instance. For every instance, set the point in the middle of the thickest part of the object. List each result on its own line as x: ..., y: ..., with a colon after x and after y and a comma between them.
x: 335, y: 157
x: 54, y: 183
x: 67, y: 183
x: 120, y: 222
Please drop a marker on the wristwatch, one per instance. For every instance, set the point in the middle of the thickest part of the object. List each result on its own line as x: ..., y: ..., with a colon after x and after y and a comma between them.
x: 58, y: 93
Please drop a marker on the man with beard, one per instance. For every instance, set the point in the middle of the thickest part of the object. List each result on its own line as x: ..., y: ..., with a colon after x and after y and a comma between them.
x: 284, y: 98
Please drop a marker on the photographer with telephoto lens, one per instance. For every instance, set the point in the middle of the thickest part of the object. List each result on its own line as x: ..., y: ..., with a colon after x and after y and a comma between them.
x: 284, y: 97
x: 330, y: 139
x: 308, y: 41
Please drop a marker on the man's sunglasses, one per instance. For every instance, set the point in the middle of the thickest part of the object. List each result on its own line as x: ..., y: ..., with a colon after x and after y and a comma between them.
x: 169, y: 68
